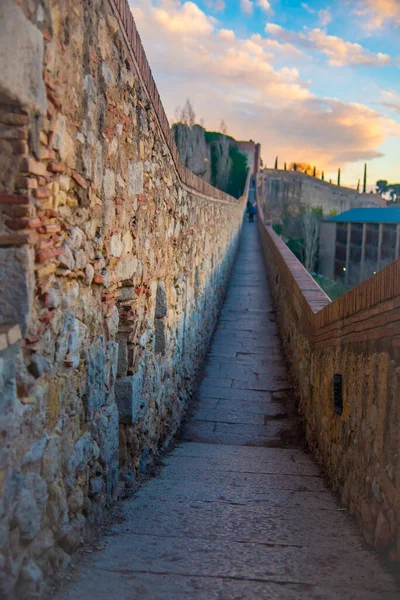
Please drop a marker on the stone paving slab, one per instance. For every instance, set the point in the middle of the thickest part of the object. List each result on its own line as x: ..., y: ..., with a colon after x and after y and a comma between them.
x: 161, y: 586
x: 251, y: 481
x: 279, y: 457
x: 240, y: 511
x: 241, y: 434
x: 263, y: 383
x: 225, y: 415
x: 275, y: 526
x: 235, y: 408
x: 235, y: 494
x: 233, y: 348
x: 228, y: 393
x: 235, y: 370
x: 251, y: 561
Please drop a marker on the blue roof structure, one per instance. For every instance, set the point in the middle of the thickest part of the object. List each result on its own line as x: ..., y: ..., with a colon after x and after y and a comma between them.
x: 369, y: 215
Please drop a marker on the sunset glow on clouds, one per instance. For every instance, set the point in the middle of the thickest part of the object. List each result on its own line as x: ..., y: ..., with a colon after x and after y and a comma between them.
x: 283, y: 76
x: 376, y: 13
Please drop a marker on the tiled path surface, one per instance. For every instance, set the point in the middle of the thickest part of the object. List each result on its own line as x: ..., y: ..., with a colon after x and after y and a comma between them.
x: 240, y: 511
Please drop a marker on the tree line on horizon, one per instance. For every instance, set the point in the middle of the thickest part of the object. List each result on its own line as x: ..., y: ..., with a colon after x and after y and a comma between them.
x: 393, y: 189
x: 307, y: 169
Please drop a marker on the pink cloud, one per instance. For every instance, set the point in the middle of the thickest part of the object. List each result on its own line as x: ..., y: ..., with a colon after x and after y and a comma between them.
x: 247, y: 6
x: 324, y: 17
x: 339, y: 52
x: 375, y: 13
x: 391, y: 101
x: 236, y: 79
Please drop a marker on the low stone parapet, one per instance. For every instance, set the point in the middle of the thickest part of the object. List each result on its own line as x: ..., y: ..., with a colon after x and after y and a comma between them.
x: 345, y: 358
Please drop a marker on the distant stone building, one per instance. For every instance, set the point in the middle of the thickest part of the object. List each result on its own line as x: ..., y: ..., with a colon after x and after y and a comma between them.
x: 286, y: 192
x: 359, y: 242
x: 253, y: 153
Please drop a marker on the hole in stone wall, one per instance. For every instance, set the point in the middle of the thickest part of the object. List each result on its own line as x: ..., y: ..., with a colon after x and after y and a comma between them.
x: 337, y: 394
x: 160, y: 319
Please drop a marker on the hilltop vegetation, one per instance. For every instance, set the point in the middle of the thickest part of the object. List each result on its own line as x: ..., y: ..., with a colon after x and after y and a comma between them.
x: 212, y: 155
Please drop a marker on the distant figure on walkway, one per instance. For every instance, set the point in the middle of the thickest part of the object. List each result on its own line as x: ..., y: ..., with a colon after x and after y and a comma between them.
x: 251, y: 210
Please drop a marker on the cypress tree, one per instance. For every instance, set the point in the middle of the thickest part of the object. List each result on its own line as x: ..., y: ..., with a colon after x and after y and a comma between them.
x: 285, y: 167
x: 323, y: 176
x: 294, y: 167
x: 365, y: 179
x: 276, y: 163
x: 330, y: 181
x: 314, y: 172
x: 338, y: 177
x: 358, y: 185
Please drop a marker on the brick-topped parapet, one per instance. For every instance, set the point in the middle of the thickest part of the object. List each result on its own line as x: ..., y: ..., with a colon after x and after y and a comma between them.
x: 131, y: 34
x: 345, y: 358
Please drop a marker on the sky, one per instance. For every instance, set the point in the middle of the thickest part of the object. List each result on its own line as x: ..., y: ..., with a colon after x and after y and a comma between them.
x: 315, y: 81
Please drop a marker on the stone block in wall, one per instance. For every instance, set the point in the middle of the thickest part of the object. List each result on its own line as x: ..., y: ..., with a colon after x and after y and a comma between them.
x: 21, y: 59
x: 85, y: 451
x: 135, y: 179
x: 32, y: 498
x: 129, y: 397
x: 69, y: 534
x: 123, y: 355
x: 161, y: 301
x: 16, y: 286
x: 95, y: 378
x: 71, y: 339
x: 110, y: 370
x: 105, y: 431
x: 160, y: 336
x: 8, y: 384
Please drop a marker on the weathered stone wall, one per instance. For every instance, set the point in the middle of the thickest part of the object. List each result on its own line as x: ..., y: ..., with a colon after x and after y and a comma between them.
x: 285, y: 192
x: 113, y: 262
x: 357, y: 337
x: 193, y: 149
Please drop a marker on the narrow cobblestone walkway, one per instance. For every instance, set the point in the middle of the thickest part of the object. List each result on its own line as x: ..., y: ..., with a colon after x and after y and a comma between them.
x: 240, y: 510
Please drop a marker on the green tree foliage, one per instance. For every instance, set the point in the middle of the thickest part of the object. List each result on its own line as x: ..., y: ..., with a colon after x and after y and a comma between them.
x: 323, y: 176
x: 303, y: 167
x: 365, y: 179
x: 278, y: 228
x: 393, y: 189
x: 338, y: 177
x: 276, y: 163
x: 382, y: 186
x: 285, y: 167
x: 296, y: 246
x: 237, y: 180
x: 333, y: 289
x: 310, y: 226
x: 358, y: 185
x: 239, y: 166
x: 228, y: 165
